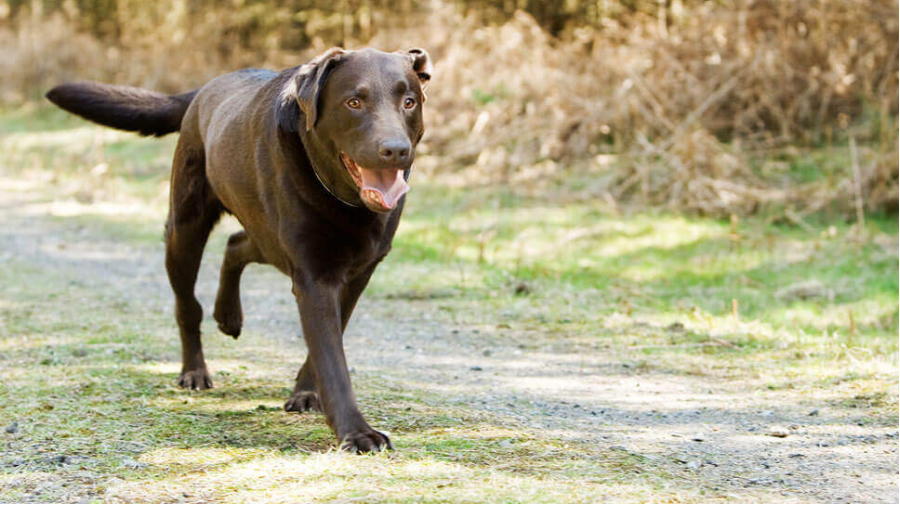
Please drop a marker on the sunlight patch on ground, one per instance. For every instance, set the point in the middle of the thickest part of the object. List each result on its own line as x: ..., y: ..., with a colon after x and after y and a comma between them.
x: 197, y: 458
x: 343, y: 477
x: 159, y: 367
x: 72, y: 138
x: 222, y: 403
x: 864, y: 312
x: 36, y: 341
x: 122, y: 209
x: 561, y: 233
x: 644, y: 393
x: 482, y: 431
x: 424, y: 281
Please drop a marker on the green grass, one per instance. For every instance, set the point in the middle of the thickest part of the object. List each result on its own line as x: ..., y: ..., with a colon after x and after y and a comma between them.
x: 90, y: 372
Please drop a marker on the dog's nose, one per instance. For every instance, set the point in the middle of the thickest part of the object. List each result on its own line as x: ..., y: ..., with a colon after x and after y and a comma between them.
x: 395, y: 151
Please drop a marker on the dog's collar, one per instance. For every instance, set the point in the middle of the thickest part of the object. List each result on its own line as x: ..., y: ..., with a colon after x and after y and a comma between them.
x: 330, y: 192
x: 304, y: 140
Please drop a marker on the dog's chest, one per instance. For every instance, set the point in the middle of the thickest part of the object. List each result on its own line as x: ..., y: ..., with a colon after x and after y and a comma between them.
x: 370, y: 249
x: 344, y: 253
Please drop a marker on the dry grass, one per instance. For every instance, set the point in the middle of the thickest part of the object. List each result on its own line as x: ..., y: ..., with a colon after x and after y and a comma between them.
x: 689, y: 113
x: 701, y: 114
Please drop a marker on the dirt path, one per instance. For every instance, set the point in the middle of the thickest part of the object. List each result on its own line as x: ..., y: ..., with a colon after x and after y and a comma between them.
x: 750, y: 445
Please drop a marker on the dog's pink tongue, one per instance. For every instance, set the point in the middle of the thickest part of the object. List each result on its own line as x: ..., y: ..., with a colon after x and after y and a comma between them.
x: 383, y: 187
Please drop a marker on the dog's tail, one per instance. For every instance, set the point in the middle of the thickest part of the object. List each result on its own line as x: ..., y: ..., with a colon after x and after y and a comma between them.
x: 122, y: 107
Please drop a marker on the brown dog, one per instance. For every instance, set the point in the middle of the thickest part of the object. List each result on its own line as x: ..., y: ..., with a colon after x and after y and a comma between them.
x: 313, y: 162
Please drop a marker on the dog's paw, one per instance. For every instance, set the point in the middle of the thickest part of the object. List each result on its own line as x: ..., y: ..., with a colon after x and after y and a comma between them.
x: 195, y: 379
x: 366, y: 441
x: 230, y: 318
x: 303, y: 401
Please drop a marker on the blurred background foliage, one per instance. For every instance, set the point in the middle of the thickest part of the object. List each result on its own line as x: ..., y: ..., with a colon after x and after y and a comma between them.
x: 785, y: 108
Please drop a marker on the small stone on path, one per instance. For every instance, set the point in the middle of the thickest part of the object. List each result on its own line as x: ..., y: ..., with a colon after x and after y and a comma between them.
x: 777, y: 432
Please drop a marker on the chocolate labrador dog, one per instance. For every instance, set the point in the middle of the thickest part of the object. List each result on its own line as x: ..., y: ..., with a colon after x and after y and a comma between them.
x: 314, y: 162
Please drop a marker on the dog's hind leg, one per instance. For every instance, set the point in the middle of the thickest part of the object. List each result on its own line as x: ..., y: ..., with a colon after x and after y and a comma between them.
x: 305, y: 397
x: 240, y: 252
x: 193, y: 211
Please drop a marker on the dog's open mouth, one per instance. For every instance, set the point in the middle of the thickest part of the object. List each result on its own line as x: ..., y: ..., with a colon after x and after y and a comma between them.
x: 380, y: 189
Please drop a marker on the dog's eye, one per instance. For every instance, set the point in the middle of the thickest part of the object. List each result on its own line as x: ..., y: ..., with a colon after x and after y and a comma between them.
x: 354, y: 103
x: 409, y: 103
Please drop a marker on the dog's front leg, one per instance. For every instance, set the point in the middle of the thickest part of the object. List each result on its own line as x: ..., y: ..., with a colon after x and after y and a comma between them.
x: 320, y: 315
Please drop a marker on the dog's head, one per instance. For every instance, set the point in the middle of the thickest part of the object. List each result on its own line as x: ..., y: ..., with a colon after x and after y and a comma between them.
x: 363, y: 109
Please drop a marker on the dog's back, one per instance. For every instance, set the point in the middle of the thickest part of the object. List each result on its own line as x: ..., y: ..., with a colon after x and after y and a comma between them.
x: 229, y: 101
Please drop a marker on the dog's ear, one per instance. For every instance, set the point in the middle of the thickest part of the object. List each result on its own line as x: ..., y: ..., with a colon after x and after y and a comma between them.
x: 302, y: 91
x: 421, y: 64
x: 287, y: 114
